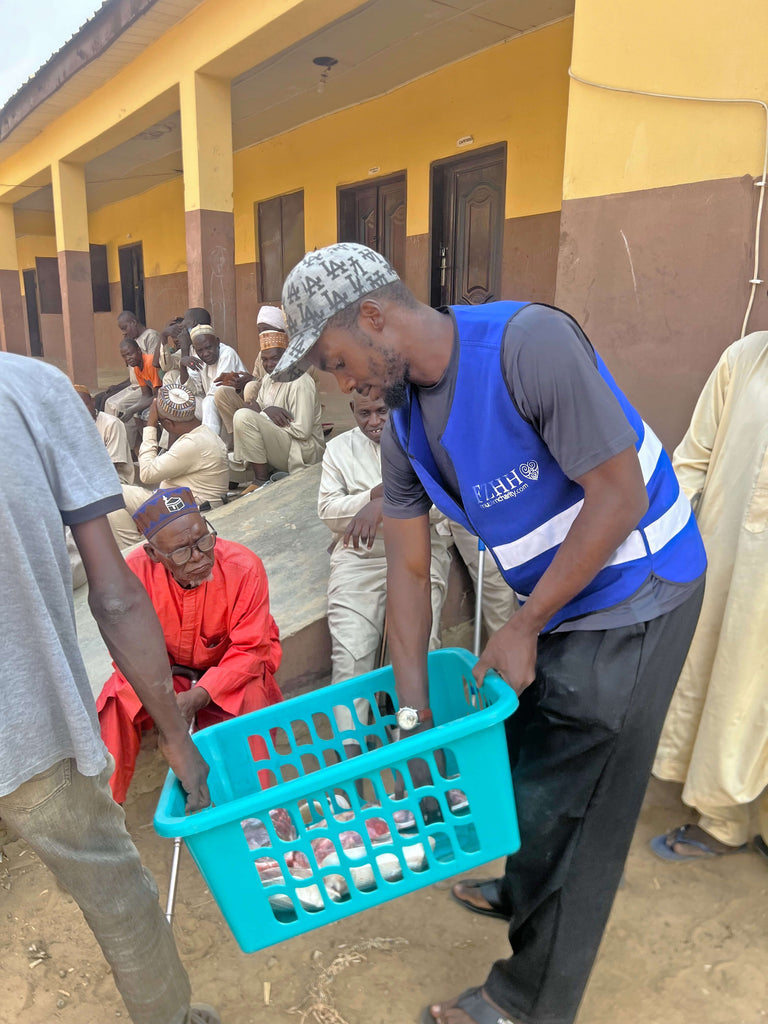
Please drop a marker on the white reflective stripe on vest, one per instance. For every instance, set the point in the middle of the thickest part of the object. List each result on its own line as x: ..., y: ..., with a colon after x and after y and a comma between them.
x: 649, y: 452
x: 553, y: 532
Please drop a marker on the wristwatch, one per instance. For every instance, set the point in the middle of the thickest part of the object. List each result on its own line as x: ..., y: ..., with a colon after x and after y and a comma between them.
x: 409, y: 718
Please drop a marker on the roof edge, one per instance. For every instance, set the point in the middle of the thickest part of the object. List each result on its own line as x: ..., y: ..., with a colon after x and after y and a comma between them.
x: 90, y: 41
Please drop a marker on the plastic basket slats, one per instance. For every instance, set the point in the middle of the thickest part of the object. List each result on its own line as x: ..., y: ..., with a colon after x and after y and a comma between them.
x: 318, y: 861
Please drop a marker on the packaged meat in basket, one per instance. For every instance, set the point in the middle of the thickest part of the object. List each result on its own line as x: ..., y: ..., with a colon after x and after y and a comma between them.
x: 310, y: 835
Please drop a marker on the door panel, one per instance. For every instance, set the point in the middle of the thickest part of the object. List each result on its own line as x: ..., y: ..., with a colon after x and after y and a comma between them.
x: 391, y: 217
x: 131, y: 262
x: 375, y: 215
x: 33, y: 320
x: 468, y: 219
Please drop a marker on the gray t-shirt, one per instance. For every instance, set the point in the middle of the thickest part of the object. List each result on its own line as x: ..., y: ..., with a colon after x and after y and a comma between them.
x: 550, y: 369
x: 54, y: 471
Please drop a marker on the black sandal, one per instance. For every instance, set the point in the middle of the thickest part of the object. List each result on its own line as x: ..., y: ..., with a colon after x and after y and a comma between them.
x: 489, y: 890
x: 475, y: 1006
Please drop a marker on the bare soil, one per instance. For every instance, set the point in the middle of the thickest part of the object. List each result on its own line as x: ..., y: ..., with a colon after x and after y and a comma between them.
x: 686, y: 943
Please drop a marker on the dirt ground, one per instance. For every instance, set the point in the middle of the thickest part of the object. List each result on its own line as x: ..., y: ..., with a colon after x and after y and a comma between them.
x: 686, y: 943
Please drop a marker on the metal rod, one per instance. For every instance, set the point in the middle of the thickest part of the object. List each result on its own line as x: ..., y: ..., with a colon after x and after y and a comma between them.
x: 180, y: 670
x: 479, y: 596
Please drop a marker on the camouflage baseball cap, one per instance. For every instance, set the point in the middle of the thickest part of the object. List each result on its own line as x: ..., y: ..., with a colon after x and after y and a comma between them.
x: 323, y: 283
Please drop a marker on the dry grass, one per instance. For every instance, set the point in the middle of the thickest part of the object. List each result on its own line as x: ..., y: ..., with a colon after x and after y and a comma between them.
x: 318, y: 1006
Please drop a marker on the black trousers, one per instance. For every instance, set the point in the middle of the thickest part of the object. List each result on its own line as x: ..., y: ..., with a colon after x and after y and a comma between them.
x: 581, y: 747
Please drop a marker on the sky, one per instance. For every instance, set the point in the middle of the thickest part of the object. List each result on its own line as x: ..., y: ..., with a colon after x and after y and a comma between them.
x: 32, y: 31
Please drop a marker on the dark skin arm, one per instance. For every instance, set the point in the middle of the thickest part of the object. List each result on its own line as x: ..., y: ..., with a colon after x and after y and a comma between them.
x: 366, y: 523
x: 615, y: 500
x: 409, y: 608
x: 280, y: 417
x: 123, y: 613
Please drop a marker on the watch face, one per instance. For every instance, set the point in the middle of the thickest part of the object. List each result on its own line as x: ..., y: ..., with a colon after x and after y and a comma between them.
x: 407, y: 718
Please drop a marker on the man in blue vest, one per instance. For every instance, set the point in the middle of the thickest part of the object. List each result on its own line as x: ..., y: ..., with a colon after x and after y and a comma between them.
x: 506, y: 418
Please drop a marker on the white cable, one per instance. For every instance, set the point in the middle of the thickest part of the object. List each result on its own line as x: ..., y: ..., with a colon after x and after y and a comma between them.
x: 755, y: 281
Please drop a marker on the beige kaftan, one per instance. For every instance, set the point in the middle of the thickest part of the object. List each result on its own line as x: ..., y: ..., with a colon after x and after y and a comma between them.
x: 357, y: 587
x: 301, y: 443
x: 715, y: 739
x: 115, y: 439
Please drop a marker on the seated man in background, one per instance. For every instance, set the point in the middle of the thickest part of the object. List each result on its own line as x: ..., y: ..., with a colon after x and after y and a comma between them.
x: 280, y: 428
x: 196, y: 459
x: 212, y: 599
x: 147, y: 381
x: 121, y: 396
x: 350, y: 504
x: 237, y: 390
x: 176, y: 348
x: 211, y: 358
x: 114, y: 436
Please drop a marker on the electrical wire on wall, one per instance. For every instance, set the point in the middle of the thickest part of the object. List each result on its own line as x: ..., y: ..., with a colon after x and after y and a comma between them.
x: 755, y: 281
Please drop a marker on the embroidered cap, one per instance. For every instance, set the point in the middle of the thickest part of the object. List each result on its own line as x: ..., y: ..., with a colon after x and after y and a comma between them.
x: 175, y: 403
x: 323, y: 283
x: 200, y: 329
x: 162, y: 508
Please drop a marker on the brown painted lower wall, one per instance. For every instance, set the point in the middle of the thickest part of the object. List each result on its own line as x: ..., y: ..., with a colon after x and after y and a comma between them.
x: 211, y: 268
x: 165, y: 297
x: 417, y: 266
x: 529, y: 263
x: 248, y: 285
x: 659, y: 280
x: 13, y: 334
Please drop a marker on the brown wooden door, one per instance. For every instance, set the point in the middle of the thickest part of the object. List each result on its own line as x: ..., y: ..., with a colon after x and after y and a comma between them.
x: 374, y: 215
x: 468, y: 232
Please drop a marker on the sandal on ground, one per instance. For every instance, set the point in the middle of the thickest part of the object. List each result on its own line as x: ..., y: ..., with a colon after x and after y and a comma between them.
x: 760, y: 846
x: 663, y: 845
x: 475, y: 1006
x: 489, y: 890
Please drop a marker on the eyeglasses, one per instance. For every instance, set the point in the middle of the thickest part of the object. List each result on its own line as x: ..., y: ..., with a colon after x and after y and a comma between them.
x: 180, y: 556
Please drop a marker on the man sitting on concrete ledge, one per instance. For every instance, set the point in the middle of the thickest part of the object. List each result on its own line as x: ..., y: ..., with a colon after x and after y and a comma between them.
x: 280, y: 428
x: 147, y: 381
x: 196, y: 458
x: 350, y: 504
x: 212, y: 599
x: 211, y: 358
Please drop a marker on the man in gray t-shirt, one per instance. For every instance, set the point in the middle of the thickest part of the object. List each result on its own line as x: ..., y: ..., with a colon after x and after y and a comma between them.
x: 54, y: 769
x: 592, y: 694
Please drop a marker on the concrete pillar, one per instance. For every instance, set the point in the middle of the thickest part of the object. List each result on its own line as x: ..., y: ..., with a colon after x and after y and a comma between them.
x: 13, y: 337
x: 206, y: 134
x: 70, y: 211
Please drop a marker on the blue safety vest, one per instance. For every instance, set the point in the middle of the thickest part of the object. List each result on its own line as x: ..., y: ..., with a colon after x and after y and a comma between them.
x: 515, y: 496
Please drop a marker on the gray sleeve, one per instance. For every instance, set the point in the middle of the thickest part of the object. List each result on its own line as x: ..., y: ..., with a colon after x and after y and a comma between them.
x: 551, y: 373
x: 83, y: 480
x: 404, y: 494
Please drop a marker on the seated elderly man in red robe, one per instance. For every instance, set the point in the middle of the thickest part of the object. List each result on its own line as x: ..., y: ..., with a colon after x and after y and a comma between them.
x: 212, y: 599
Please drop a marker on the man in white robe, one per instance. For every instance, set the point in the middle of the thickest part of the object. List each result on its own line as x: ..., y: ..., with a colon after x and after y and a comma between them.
x: 350, y: 504
x: 212, y: 358
x: 280, y: 428
x: 715, y: 739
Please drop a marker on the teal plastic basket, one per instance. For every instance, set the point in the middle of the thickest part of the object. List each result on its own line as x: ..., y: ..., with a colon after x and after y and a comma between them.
x: 290, y: 844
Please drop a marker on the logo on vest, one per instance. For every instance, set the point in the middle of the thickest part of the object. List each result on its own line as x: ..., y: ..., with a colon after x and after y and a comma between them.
x: 509, y: 485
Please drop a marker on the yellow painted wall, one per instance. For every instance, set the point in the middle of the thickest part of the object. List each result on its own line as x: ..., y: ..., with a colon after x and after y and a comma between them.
x: 30, y: 246
x: 622, y: 143
x: 515, y: 92
x: 154, y: 218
